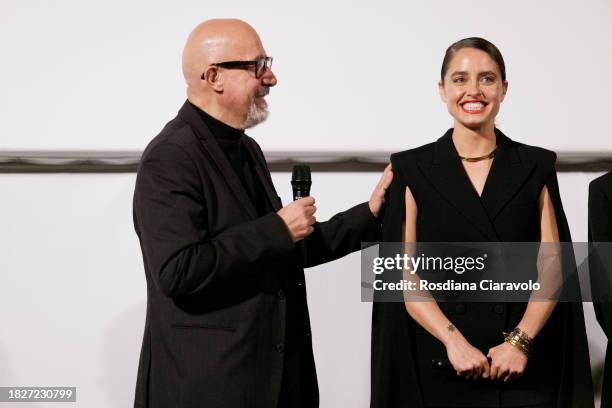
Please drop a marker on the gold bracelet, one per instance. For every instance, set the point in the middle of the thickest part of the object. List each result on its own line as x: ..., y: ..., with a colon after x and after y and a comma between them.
x: 520, y: 340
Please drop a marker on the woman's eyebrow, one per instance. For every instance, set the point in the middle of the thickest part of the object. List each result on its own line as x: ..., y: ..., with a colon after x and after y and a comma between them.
x: 485, y: 73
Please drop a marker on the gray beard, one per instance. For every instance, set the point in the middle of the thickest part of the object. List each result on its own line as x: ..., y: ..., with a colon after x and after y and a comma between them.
x: 256, y: 115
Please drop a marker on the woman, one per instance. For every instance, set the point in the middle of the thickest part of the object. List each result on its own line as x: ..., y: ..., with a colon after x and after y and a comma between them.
x: 473, y: 185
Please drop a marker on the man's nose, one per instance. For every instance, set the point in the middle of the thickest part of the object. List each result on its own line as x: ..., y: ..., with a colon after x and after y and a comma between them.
x: 268, y: 78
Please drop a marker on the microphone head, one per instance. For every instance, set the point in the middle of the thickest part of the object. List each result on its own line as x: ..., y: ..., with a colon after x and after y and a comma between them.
x: 300, y: 181
x: 301, y: 173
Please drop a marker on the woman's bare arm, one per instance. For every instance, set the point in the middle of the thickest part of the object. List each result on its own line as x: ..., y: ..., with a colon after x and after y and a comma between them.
x: 549, y: 268
x: 466, y: 359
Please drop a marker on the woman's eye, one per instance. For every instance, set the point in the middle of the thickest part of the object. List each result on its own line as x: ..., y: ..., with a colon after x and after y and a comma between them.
x: 458, y: 80
x: 488, y: 79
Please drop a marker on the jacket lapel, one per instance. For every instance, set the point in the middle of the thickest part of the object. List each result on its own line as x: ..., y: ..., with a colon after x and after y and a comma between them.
x: 507, y: 175
x: 447, y: 175
x: 262, y: 171
x: 225, y: 169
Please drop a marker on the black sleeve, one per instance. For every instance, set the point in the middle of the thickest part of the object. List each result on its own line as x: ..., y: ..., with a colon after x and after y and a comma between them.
x: 576, y: 388
x: 600, y: 256
x: 600, y: 209
x: 341, y: 235
x: 552, y: 183
x: 337, y: 237
x: 170, y: 217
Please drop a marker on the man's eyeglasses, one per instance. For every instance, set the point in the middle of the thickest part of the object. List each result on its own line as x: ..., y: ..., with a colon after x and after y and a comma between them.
x: 259, y: 64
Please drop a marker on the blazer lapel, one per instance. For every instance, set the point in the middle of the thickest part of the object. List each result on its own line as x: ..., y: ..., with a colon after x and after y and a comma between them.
x: 507, y: 175
x: 226, y: 171
x: 262, y: 171
x: 448, y: 177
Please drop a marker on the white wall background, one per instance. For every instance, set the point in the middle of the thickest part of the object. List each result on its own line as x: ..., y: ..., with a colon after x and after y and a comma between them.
x: 73, y: 293
x: 353, y: 75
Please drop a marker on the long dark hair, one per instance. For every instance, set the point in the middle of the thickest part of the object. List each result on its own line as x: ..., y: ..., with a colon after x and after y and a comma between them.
x: 479, y: 44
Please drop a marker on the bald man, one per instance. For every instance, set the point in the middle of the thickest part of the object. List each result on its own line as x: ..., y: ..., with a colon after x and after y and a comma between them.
x: 227, y: 321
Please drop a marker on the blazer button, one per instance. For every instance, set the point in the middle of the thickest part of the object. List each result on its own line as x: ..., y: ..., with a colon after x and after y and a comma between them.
x: 281, y: 294
x: 300, y: 284
x: 499, y: 309
x: 280, y: 347
x: 460, y: 309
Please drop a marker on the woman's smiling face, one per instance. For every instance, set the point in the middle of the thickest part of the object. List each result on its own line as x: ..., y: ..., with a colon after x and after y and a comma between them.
x: 473, y: 88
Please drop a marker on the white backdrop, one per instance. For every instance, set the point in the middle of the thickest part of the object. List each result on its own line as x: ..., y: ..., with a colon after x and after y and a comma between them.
x: 105, y: 75
x: 73, y: 293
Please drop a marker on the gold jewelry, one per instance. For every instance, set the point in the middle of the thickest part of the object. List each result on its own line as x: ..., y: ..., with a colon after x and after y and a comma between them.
x: 520, y: 340
x: 480, y: 158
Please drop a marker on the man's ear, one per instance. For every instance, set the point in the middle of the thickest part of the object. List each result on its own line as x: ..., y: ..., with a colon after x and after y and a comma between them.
x: 441, y: 91
x: 213, y: 78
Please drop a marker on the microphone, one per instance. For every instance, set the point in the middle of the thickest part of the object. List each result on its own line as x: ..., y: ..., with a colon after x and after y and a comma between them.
x: 301, y: 181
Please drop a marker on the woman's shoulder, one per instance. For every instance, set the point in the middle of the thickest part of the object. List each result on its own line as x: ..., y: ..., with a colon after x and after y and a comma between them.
x: 536, y: 152
x: 526, y: 152
x: 412, y: 156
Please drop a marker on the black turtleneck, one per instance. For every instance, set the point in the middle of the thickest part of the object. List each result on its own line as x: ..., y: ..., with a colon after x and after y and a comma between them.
x: 231, y: 142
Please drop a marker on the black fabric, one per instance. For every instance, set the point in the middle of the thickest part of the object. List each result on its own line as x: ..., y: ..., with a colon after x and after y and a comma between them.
x: 231, y: 142
x: 600, y: 230
x: 299, y: 377
x: 450, y: 210
x: 227, y: 319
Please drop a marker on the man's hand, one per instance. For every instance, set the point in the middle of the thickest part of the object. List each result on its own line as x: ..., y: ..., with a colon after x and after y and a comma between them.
x: 507, y: 362
x: 299, y: 217
x: 377, y: 199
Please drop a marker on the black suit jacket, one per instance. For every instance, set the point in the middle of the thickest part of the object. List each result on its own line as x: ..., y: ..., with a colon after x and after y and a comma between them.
x: 220, y: 278
x: 449, y: 210
x: 600, y: 262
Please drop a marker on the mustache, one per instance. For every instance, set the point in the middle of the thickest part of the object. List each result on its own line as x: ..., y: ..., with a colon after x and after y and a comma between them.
x: 262, y: 92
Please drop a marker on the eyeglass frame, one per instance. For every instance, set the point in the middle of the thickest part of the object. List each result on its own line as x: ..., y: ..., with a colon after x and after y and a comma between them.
x: 266, y: 62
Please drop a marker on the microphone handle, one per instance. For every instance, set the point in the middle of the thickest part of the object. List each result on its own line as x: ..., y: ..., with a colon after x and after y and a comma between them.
x: 297, y: 194
x: 300, y: 193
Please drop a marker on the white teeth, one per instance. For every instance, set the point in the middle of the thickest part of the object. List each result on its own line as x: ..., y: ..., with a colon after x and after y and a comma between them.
x: 473, y: 106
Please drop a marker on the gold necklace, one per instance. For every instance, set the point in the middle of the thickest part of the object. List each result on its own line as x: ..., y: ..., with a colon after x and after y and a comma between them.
x: 480, y: 158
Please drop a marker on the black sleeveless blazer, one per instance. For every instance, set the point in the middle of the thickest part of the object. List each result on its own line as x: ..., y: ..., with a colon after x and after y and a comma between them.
x: 450, y: 210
